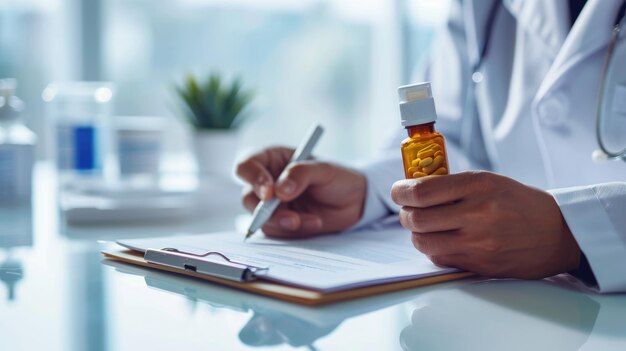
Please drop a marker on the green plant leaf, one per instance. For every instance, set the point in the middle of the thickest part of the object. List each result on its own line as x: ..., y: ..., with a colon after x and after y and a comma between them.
x: 212, y: 104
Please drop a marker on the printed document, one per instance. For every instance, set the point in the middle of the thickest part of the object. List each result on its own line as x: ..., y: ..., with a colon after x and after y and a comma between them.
x: 325, y: 263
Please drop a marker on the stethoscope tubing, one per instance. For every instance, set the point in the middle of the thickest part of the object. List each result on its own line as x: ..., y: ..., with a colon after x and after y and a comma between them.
x: 617, y: 27
x: 477, y: 77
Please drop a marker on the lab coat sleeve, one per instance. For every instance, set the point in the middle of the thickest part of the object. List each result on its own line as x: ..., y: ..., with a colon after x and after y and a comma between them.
x: 380, y: 176
x: 596, y: 216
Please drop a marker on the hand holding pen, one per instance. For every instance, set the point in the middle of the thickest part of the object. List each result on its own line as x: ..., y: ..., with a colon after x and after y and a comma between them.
x: 315, y: 197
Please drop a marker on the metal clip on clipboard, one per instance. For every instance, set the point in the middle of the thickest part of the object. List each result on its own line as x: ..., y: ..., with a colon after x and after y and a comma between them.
x: 188, y: 261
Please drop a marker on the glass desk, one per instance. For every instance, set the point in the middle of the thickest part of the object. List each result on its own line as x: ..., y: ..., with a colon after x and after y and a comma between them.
x: 57, y: 293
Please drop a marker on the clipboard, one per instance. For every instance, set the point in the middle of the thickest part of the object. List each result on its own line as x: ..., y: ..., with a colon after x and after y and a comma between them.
x: 250, y: 278
x: 226, y: 269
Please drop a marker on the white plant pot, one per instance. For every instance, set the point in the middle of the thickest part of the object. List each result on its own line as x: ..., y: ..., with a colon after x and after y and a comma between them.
x: 215, y: 152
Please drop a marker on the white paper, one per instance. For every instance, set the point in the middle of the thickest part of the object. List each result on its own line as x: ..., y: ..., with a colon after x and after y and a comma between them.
x: 325, y: 263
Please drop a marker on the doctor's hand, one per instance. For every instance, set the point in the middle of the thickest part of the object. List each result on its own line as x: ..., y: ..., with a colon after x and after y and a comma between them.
x: 317, y: 197
x: 488, y: 224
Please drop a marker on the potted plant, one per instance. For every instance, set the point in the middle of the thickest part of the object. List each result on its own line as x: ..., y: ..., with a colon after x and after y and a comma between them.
x: 213, y: 108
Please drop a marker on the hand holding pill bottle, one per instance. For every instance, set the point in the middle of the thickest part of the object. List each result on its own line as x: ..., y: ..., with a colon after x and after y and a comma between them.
x: 424, y: 151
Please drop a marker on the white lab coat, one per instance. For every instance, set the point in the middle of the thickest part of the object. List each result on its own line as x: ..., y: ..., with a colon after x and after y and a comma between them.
x: 536, y: 123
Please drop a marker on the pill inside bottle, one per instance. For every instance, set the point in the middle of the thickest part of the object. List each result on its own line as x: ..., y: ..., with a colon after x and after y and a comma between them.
x: 424, y: 151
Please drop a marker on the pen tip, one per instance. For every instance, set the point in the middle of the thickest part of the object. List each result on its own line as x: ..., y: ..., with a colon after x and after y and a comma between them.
x: 248, y: 235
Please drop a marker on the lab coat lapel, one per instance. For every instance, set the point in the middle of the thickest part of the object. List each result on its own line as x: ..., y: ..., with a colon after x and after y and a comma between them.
x: 476, y: 17
x: 590, y: 33
x: 545, y: 20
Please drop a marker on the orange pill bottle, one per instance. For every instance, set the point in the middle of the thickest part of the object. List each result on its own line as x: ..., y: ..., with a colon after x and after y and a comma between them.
x: 424, y: 151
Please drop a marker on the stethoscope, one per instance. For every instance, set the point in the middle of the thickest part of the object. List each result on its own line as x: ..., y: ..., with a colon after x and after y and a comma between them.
x: 603, y: 153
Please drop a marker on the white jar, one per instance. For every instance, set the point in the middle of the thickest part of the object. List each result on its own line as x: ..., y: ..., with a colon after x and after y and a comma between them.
x: 139, y: 145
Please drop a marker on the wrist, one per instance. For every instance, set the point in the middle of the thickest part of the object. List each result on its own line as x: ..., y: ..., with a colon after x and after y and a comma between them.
x: 571, y: 251
x: 372, y: 207
x: 584, y: 272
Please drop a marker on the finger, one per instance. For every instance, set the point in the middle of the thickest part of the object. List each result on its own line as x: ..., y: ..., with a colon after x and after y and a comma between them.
x: 441, y: 243
x: 273, y: 159
x: 469, y: 263
x: 290, y: 224
x: 437, y: 190
x: 460, y: 261
x: 256, y: 174
x: 281, y: 218
x: 250, y: 200
x: 450, y: 216
x: 298, y: 176
x: 286, y: 219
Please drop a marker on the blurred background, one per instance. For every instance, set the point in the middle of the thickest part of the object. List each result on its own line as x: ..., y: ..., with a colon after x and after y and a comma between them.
x: 338, y: 62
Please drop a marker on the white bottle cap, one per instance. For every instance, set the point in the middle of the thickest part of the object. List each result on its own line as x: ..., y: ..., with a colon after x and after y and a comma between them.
x: 417, y: 105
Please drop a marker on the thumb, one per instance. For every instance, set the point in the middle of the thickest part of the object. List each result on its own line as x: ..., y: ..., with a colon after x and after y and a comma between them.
x: 297, y: 177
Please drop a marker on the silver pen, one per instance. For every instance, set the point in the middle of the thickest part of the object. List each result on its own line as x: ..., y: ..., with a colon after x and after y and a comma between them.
x: 264, y: 210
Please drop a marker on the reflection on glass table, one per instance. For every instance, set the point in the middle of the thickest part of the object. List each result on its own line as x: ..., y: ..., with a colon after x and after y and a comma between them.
x: 514, y: 315
x: 273, y: 322
x: 16, y: 230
